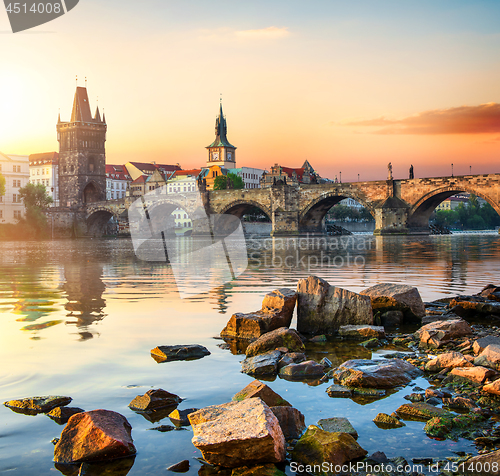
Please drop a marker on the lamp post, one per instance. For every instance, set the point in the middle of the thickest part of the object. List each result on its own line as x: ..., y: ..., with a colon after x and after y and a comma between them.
x: 452, y: 170
x: 340, y: 177
x: 470, y: 169
x: 358, y: 177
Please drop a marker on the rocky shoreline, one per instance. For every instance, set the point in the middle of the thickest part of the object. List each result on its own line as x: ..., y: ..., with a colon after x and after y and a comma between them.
x: 456, y: 348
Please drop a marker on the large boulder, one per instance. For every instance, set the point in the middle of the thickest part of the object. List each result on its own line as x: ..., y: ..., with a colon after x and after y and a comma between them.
x: 493, y: 387
x: 483, y: 465
x: 238, y: 433
x: 481, y: 344
x: 261, y: 390
x: 98, y: 435
x: 322, y: 309
x: 435, y: 334
x: 169, y: 353
x: 317, y: 446
x: 34, y: 405
x: 396, y: 297
x: 489, y: 357
x: 338, y: 424
x: 291, y: 421
x: 262, y: 364
x: 282, y: 337
x: 470, y: 306
x: 447, y: 360
x: 154, y: 399
x: 277, y: 311
x: 385, y: 373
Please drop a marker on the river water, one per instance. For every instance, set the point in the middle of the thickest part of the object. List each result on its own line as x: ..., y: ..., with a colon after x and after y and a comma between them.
x: 79, y: 318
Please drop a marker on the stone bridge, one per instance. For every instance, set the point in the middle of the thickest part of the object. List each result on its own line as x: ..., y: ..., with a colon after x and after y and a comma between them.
x: 398, y: 206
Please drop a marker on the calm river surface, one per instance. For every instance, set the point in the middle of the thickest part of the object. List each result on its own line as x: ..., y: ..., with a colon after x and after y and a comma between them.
x: 79, y: 318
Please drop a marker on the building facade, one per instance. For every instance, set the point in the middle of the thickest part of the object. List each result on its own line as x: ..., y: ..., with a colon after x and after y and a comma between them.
x: 136, y: 169
x: 221, y: 152
x: 290, y: 176
x: 44, y: 170
x: 117, y: 182
x: 251, y: 177
x: 82, y: 157
x: 15, y: 170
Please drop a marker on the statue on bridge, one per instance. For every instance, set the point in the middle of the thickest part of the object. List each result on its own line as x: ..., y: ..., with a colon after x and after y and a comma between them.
x: 411, y: 172
x: 389, y: 171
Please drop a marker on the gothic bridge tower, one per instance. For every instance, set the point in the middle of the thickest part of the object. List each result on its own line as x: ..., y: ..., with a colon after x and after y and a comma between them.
x: 220, y: 151
x: 82, y: 157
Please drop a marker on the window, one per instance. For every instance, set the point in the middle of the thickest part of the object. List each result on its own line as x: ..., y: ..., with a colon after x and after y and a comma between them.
x: 1, y: 213
x: 17, y: 183
x: 17, y: 168
x: 15, y: 198
x: 17, y: 214
x: 1, y: 199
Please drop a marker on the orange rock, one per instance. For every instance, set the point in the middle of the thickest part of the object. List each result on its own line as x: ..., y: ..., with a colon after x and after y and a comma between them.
x: 473, y: 374
x: 238, y: 433
x: 447, y: 360
x: 493, y: 387
x: 261, y: 390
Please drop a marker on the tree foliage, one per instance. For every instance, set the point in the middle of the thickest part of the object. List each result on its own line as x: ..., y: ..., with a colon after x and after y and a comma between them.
x: 470, y: 216
x: 231, y: 181
x: 36, y: 201
x: 345, y: 213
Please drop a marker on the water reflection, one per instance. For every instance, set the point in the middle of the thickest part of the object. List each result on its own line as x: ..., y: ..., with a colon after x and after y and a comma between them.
x: 119, y: 467
x: 84, y: 288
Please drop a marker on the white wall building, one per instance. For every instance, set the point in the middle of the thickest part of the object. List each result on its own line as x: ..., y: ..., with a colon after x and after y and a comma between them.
x: 251, y: 177
x: 349, y: 202
x: 117, y: 180
x: 44, y: 169
x: 15, y: 169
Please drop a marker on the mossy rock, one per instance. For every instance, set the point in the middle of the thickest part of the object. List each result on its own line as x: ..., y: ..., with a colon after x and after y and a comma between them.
x: 260, y: 470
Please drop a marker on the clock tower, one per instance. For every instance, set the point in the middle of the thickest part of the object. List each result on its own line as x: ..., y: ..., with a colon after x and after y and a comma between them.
x: 220, y: 151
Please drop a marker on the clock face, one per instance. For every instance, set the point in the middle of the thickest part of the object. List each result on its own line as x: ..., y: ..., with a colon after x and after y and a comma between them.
x: 215, y: 156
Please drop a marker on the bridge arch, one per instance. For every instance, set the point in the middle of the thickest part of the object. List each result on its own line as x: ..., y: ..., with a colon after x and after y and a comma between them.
x: 422, y: 209
x: 92, y: 193
x: 239, y: 208
x: 97, y: 220
x: 311, y: 217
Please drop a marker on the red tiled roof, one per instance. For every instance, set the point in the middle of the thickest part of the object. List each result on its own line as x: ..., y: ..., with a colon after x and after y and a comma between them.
x: 194, y: 172
x: 289, y: 171
x: 141, y: 179
x: 117, y: 172
x: 45, y: 156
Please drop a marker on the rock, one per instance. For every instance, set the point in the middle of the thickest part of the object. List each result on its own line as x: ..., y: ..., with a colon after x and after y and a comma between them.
x: 438, y: 427
x: 481, y: 344
x: 493, y: 387
x: 489, y: 357
x: 339, y: 391
x: 34, y: 405
x: 181, y: 467
x: 362, y: 332
x: 180, y: 417
x: 282, y: 337
x: 117, y: 467
x: 262, y: 391
x: 420, y: 411
x: 483, y: 465
x: 384, y: 421
x: 263, y: 364
x: 317, y: 446
x: 291, y: 421
x: 154, y: 399
x: 469, y: 306
x: 370, y: 343
x: 399, y: 297
x: 277, y: 310
x: 391, y: 318
x: 291, y: 358
x: 415, y: 397
x: 459, y: 403
x: 98, y: 435
x: 61, y: 415
x: 447, y: 360
x: 435, y: 393
x: 338, y: 424
x: 375, y: 374
x: 476, y: 375
x: 307, y: 369
x: 238, y: 433
x: 321, y: 338
x: 322, y: 309
x: 368, y: 392
x: 169, y: 353
x: 259, y: 470
x: 437, y: 333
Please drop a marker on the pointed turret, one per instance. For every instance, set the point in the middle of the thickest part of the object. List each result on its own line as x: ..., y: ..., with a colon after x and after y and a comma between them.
x: 97, y: 117
x: 103, y: 117
x: 81, y: 107
x: 221, y: 131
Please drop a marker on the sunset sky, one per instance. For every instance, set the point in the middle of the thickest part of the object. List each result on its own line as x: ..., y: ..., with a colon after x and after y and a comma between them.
x: 347, y: 85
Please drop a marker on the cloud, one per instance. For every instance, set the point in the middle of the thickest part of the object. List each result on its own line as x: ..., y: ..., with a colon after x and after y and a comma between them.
x: 482, y: 119
x: 269, y: 33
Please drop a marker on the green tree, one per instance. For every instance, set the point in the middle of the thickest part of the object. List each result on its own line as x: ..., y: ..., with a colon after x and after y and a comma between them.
x: 36, y: 201
x: 234, y: 181
x: 2, y: 185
